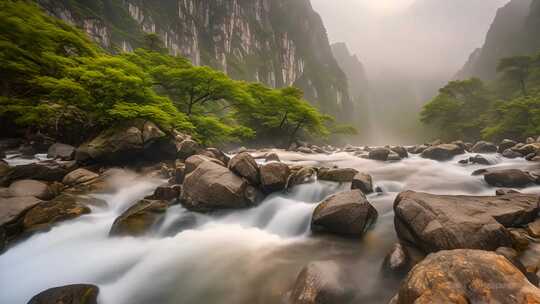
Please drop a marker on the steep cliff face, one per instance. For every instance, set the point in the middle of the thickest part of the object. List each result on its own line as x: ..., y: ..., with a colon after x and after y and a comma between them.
x: 514, y: 31
x: 277, y: 42
x: 353, y: 69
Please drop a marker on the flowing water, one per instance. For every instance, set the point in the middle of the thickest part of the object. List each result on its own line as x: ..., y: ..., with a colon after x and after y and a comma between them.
x: 243, y: 256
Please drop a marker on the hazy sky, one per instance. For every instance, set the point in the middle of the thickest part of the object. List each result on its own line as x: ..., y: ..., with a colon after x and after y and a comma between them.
x: 429, y: 36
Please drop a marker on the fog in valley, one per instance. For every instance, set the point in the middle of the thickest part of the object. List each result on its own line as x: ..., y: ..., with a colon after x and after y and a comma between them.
x: 409, y: 49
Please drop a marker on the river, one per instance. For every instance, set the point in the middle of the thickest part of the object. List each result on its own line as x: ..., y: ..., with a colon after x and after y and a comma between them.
x: 246, y: 256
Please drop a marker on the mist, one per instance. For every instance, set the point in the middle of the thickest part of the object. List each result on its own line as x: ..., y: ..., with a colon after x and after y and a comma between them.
x: 410, y: 48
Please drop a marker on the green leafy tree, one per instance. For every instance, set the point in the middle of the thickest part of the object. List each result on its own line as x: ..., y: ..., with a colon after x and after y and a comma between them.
x: 517, y: 69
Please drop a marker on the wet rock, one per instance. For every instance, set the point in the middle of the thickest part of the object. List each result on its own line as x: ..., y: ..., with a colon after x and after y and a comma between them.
x: 484, y: 147
x: 245, y: 166
x: 166, y: 193
x: 123, y: 143
x: 480, y: 160
x: 274, y: 177
x: 530, y: 140
x: 340, y: 175
x: 509, y: 153
x: 442, y: 152
x: 79, y: 176
x: 401, y: 151
x: 530, y: 157
x: 466, y: 276
x: 438, y: 222
x: 304, y: 150
x: 499, y: 192
x: 212, y: 186
x: 509, y: 178
x: 179, y: 174
x: 69, y: 294
x: 380, y: 154
x: 45, y: 214
x: 217, y: 154
x: 520, y: 238
x: 7, y: 144
x: 533, y: 228
x: 512, y: 256
x: 194, y: 161
x: 418, y: 149
x: 346, y: 213
x: 272, y: 157
x: 61, y: 151
x: 28, y: 187
x: 319, y: 283
x: 525, y: 150
x: 4, y: 169
x: 397, y: 261
x: 506, y: 144
x: 303, y: 175
x: 393, y: 157
x: 139, y: 218
x: 362, y: 182
x: 460, y: 143
x: 187, y: 148
x: 49, y: 172
x: 11, y: 211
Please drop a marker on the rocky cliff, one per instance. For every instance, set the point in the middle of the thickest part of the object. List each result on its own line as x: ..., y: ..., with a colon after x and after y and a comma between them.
x: 513, y: 32
x: 277, y: 42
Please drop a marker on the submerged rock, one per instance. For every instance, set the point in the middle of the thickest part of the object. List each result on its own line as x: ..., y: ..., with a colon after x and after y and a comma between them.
x: 274, y: 177
x: 212, y: 186
x: 362, y: 182
x: 397, y: 261
x: 347, y: 213
x: 303, y: 175
x: 69, y: 294
x: 442, y: 152
x: 508, y: 178
x: 139, y: 218
x: 245, y: 166
x: 438, y: 222
x: 466, y: 276
x: 340, y: 175
x: 319, y: 283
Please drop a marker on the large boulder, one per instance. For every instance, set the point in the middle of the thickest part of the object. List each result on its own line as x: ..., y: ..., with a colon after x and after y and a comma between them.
x: 362, y: 182
x: 508, y: 178
x: 347, y: 213
x: 340, y: 175
x: 442, y: 152
x: 69, y: 294
x: 525, y: 150
x: 484, y: 147
x: 45, y: 214
x: 217, y: 154
x: 274, y: 176
x: 319, y: 283
x: 29, y: 187
x: 212, y: 186
x: 61, y: 151
x: 380, y: 154
x: 79, y: 176
x: 466, y: 276
x: 506, y: 144
x: 438, y: 222
x: 139, y: 218
x: 11, y: 211
x: 50, y: 172
x: 124, y: 143
x: 194, y: 161
x: 245, y: 166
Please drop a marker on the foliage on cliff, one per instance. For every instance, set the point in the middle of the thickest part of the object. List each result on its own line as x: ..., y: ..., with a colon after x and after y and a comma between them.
x: 53, y: 79
x: 508, y: 107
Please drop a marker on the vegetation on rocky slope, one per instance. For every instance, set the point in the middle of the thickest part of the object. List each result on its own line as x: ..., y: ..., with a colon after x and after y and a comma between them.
x: 508, y: 107
x: 56, y: 81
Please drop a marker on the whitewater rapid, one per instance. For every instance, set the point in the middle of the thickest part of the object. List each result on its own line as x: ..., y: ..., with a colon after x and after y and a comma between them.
x: 242, y: 256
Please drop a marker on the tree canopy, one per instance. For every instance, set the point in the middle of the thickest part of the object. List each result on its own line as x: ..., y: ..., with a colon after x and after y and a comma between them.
x: 54, y: 79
